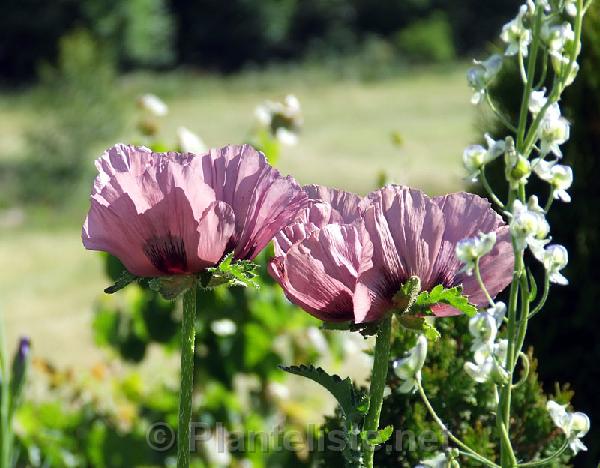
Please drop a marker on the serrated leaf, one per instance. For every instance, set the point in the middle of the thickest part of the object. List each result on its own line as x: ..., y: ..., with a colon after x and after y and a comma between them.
x: 341, y: 389
x: 407, y: 295
x: 441, y: 295
x: 419, y: 325
x: 125, y: 279
x: 238, y: 273
x: 379, y: 437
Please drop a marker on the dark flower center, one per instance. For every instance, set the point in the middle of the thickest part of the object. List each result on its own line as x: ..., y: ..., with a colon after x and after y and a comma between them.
x: 167, y: 254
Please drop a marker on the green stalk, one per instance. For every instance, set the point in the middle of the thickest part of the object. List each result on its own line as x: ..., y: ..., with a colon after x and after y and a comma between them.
x: 188, y: 333
x: 5, y: 420
x: 503, y: 413
x: 381, y: 360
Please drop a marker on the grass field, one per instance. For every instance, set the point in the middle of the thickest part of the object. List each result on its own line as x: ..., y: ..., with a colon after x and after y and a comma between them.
x: 48, y: 282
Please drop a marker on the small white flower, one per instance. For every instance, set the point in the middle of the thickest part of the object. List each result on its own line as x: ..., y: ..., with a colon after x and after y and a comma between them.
x: 529, y: 225
x: 223, y: 327
x: 553, y: 131
x: 537, y: 100
x: 571, y: 7
x: 559, y: 176
x: 516, y: 35
x: 517, y: 167
x: 409, y: 368
x: 481, y: 75
x: 262, y: 112
x: 557, y: 37
x: 475, y: 157
x: 483, y: 327
x: 574, y: 425
x: 286, y: 136
x: 555, y: 258
x: 489, y: 359
x: 471, y: 249
x: 572, y: 74
x: 153, y: 104
x: 189, y: 142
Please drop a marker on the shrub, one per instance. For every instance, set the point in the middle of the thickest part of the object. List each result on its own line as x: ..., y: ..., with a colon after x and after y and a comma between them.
x: 427, y: 40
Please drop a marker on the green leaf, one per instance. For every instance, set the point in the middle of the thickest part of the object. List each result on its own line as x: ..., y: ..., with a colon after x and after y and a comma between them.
x: 419, y: 325
x: 441, y: 295
x: 239, y: 273
x: 123, y: 281
x: 379, y: 437
x: 341, y: 389
x: 170, y: 287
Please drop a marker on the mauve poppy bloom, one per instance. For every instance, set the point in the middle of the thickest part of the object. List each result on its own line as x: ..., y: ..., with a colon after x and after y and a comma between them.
x: 406, y: 233
x: 171, y: 213
x: 346, y: 258
x: 317, y: 257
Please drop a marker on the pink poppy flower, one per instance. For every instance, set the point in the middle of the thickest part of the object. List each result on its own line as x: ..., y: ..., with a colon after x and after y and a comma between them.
x: 171, y: 213
x: 345, y: 258
x: 317, y: 257
x: 406, y: 233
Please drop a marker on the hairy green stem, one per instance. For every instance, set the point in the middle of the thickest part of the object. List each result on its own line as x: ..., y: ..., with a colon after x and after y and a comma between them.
x: 489, y: 190
x: 188, y: 333
x: 381, y: 359
x: 468, y: 450
x: 482, y: 284
x: 548, y: 460
x: 544, y: 297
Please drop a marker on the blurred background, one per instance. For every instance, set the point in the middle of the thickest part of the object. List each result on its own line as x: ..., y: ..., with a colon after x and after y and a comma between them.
x: 383, y: 98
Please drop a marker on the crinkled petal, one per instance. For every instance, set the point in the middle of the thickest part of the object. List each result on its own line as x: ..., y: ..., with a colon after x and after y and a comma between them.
x: 401, y: 238
x: 263, y: 201
x: 319, y: 273
x: 344, y: 207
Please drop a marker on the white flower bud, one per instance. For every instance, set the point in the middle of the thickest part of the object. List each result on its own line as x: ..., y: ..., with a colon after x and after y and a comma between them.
x: 189, y: 142
x: 439, y: 460
x: 570, y: 7
x: 223, y: 327
x: 153, y: 104
x: 537, y: 100
x: 409, y: 367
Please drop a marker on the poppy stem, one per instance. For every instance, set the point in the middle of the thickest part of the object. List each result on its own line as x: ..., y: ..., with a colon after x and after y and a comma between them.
x: 188, y: 333
x: 381, y: 359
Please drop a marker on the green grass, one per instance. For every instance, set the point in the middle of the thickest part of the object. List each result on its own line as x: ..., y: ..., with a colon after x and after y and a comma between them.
x: 48, y: 282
